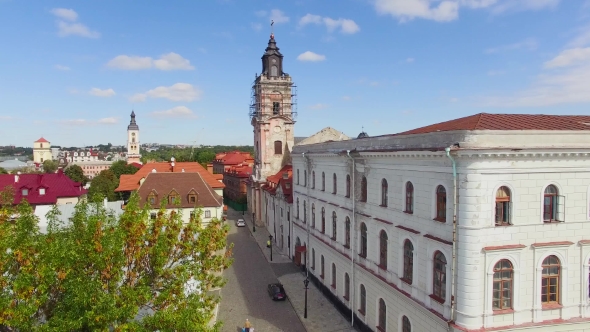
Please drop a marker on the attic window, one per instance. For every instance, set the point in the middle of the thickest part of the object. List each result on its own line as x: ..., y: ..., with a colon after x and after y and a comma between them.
x: 192, y: 198
x: 172, y: 197
x: 285, y: 175
x: 288, y: 185
x: 152, y: 198
x: 25, y: 192
x: 41, y: 191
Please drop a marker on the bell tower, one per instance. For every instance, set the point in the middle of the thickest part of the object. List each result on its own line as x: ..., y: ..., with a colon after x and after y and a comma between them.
x: 133, y: 155
x: 272, y: 112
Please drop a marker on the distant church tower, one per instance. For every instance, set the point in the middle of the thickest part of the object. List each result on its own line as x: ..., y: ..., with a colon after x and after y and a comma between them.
x: 271, y: 111
x: 41, y: 150
x: 133, y: 155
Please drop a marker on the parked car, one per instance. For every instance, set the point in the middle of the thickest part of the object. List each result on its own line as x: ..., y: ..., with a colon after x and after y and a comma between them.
x: 240, y: 223
x: 277, y: 292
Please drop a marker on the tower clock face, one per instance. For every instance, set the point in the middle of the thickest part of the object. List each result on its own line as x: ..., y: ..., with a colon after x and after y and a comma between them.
x: 132, y: 134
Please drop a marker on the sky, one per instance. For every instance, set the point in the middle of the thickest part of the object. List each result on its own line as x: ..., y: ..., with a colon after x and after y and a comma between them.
x: 72, y: 71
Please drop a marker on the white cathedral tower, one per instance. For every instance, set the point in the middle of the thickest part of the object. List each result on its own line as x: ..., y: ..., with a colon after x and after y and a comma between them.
x: 133, y: 155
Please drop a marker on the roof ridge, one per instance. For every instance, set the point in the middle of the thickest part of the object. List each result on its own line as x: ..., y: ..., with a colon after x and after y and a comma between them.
x: 479, y: 119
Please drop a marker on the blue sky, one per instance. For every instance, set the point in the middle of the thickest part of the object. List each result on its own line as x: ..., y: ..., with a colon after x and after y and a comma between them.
x: 72, y: 71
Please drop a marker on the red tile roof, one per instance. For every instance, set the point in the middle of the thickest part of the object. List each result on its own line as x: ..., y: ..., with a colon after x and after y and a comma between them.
x: 233, y: 158
x: 242, y: 171
x: 136, y: 165
x: 486, y: 121
x: 130, y: 182
x: 286, y: 184
x: 41, y: 140
x: 184, y: 184
x: 56, y: 185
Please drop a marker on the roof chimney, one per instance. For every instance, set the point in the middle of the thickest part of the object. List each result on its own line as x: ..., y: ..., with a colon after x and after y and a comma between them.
x: 183, y: 170
x: 16, y: 177
x: 154, y: 170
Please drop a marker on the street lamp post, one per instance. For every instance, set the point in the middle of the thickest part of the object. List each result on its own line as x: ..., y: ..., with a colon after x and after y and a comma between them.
x: 305, y: 282
x: 270, y: 238
x: 253, y: 222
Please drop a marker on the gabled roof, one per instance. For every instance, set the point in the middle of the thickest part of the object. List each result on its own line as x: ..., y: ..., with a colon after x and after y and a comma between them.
x: 183, y: 184
x: 41, y: 140
x: 130, y: 182
x: 486, y: 121
x: 277, y: 180
x: 232, y: 158
x: 57, y: 185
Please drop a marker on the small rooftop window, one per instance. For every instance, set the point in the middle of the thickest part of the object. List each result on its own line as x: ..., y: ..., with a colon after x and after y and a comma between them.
x: 25, y: 192
x: 41, y: 191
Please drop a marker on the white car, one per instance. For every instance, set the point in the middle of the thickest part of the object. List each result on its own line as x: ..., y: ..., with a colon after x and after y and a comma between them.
x: 241, y: 223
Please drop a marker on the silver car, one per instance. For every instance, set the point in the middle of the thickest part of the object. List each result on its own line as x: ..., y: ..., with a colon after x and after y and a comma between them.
x: 241, y: 223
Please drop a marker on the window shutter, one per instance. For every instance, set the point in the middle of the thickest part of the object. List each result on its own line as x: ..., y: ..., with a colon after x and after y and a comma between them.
x: 560, y: 213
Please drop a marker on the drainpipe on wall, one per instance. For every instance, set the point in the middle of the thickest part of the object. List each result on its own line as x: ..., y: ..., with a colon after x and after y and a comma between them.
x: 308, y: 248
x: 353, y: 251
x: 454, y: 259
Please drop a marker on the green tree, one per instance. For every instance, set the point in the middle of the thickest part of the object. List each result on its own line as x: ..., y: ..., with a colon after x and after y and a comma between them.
x: 76, y: 173
x: 121, y: 167
x: 50, y: 166
x: 104, y: 185
x: 3, y: 171
x: 98, y: 271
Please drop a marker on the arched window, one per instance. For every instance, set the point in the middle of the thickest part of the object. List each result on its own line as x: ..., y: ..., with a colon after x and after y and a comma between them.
x: 364, y: 189
x: 406, y: 325
x: 441, y: 204
x: 346, y: 286
x: 550, y: 282
x: 297, y: 207
x: 347, y: 233
x: 503, y: 206
x: 334, y: 184
x: 382, y: 315
x: 363, y: 252
x: 409, y: 197
x: 503, y: 285
x: 276, y: 108
x: 333, y: 275
x: 278, y: 147
x: 274, y: 71
x: 334, y: 219
x: 322, y: 266
x: 383, y: 192
x: 313, y: 258
x: 347, y: 185
x: 550, y: 204
x: 304, y: 212
x: 439, y: 276
x: 323, y: 220
x: 313, y: 215
x: 323, y: 181
x: 408, y: 262
x: 313, y: 180
x: 383, y: 250
x: 363, y: 300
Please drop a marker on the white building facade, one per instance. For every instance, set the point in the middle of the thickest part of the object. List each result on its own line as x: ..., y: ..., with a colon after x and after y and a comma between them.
x: 380, y: 221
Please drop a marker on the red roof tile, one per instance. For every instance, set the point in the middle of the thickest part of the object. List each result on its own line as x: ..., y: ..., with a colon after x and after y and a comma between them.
x: 56, y: 185
x: 129, y: 182
x: 485, y: 121
x: 233, y: 158
x: 184, y: 184
x: 41, y: 140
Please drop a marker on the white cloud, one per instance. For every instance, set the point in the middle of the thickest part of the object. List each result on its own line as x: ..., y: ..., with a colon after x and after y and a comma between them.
x: 319, y: 106
x: 85, y: 122
x: 65, y: 14
x: 75, y: 29
x: 569, y: 57
x: 528, y: 44
x: 176, y: 92
x: 278, y: 16
x: 110, y: 120
x: 346, y: 26
x: 311, y: 56
x: 170, y: 61
x: 61, y: 67
x: 523, y: 5
x: 178, y: 111
x: 102, y: 93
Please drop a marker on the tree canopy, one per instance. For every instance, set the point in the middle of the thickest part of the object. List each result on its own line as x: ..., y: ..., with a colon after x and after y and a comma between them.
x: 104, y: 184
x: 3, y: 171
x: 76, y: 173
x: 121, y: 167
x: 202, y: 155
x: 100, y: 272
x: 50, y: 166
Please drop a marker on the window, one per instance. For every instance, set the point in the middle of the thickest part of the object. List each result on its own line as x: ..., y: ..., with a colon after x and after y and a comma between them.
x: 152, y: 200
x: 347, y: 231
x: 323, y: 181
x: 304, y: 212
x: 346, y: 286
x: 364, y: 189
x: 363, y: 300
x: 333, y: 275
x: 348, y: 186
x: 383, y: 250
x: 297, y: 176
x: 441, y: 204
x: 322, y: 266
x: 334, y: 218
x: 172, y: 198
x: 502, y: 291
x: 313, y: 258
x: 192, y: 198
x: 383, y: 192
x: 41, y: 191
x: 363, y: 252
x: 550, y: 204
x: 278, y: 147
x: 305, y: 178
x: 439, y: 276
x: 313, y: 215
x: 192, y: 215
x: 382, y: 315
x: 25, y: 192
x: 276, y: 108
x: 207, y: 214
x: 406, y: 325
x: 550, y: 280
x: 313, y: 180
x: 408, y: 262
x: 334, y: 184
x: 153, y: 215
x: 323, y: 220
x: 297, y: 207
x: 502, y: 206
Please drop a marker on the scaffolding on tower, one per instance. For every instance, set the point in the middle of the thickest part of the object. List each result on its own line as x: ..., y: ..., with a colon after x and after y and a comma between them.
x: 263, y: 100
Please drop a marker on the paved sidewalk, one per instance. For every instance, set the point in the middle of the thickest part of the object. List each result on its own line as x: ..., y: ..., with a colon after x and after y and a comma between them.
x: 322, y: 316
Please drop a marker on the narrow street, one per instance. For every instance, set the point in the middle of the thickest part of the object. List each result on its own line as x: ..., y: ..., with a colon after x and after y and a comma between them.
x: 245, y: 295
